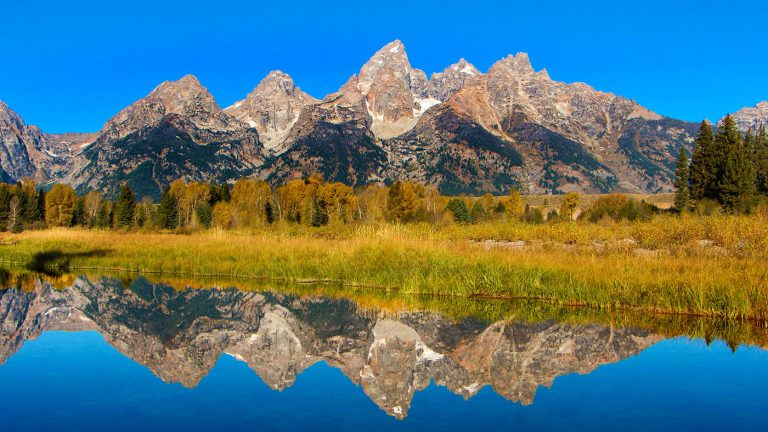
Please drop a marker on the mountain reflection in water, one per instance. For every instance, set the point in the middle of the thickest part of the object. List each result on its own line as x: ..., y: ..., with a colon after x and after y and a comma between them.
x: 181, y: 334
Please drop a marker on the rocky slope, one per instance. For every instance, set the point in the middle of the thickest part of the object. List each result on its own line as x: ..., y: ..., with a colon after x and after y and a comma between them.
x: 26, y: 152
x: 752, y: 117
x: 461, y: 130
x: 468, y: 132
x: 272, y: 107
x: 177, y: 131
x: 179, y: 336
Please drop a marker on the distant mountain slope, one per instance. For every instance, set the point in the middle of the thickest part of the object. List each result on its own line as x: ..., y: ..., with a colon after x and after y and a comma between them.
x: 752, y: 117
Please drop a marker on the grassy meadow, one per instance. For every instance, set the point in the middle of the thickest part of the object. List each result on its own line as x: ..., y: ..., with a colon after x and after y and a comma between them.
x: 708, y: 266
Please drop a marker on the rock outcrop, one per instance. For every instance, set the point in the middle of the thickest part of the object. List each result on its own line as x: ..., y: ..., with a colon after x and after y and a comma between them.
x: 26, y: 152
x: 751, y: 117
x: 273, y: 107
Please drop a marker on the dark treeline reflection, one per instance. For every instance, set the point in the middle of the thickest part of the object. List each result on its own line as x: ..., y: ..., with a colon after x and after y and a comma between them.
x: 180, y: 334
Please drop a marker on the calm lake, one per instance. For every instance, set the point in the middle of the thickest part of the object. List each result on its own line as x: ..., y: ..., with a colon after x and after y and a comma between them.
x: 110, y: 354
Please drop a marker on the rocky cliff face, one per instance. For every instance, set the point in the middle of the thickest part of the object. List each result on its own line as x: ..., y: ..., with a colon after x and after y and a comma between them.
x: 179, y: 336
x: 446, y: 83
x: 464, y: 131
x: 177, y: 131
x: 461, y: 130
x: 272, y: 108
x: 395, y: 94
x: 752, y: 117
x: 569, y: 135
x: 26, y: 152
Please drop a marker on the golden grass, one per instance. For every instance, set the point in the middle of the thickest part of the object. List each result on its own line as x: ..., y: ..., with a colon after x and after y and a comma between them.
x: 658, y: 266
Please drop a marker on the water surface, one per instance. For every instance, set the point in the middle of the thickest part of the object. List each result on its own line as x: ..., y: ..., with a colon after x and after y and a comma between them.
x: 105, y: 354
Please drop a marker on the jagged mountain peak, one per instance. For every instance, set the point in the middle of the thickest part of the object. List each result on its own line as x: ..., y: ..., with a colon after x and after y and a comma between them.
x: 273, y: 107
x: 464, y: 67
x: 276, y: 80
x: 389, y: 60
x: 463, y: 131
x: 7, y: 115
x: 394, y: 47
x: 395, y: 93
x: 185, y: 97
x: 279, y: 83
x: 519, y: 63
x: 184, y: 94
x: 24, y: 150
x: 445, y: 84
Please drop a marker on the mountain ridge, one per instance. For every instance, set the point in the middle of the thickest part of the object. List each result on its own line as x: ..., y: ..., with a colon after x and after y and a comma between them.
x: 461, y: 130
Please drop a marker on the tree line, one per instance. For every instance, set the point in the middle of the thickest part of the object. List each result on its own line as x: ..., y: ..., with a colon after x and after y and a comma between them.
x: 251, y: 203
x: 728, y: 168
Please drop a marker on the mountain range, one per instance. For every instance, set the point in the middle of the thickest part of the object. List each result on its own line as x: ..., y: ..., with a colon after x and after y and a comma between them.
x: 461, y: 130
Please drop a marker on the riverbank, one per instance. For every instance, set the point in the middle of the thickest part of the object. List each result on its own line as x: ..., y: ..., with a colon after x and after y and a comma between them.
x: 696, y: 266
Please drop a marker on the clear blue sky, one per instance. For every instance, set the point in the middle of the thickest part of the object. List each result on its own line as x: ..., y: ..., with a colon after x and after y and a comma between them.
x: 70, y: 66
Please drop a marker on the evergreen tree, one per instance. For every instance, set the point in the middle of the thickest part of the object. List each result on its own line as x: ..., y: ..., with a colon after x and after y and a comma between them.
x: 219, y: 192
x: 533, y: 215
x: 458, y: 208
x: 761, y: 161
x: 703, y: 175
x: 319, y: 214
x: 478, y: 213
x: 168, y: 211
x: 125, y: 207
x: 269, y: 212
x: 5, y: 202
x: 737, y: 185
x: 204, y: 214
x: 104, y: 215
x: 78, y: 217
x: 32, y: 211
x: 553, y: 216
x: 682, y: 192
x: 40, y: 212
x: 500, y: 209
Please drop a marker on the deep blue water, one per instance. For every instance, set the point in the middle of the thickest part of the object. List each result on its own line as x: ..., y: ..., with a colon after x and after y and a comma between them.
x: 65, y: 381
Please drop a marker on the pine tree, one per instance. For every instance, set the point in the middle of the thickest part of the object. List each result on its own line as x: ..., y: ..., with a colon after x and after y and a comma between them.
x: 477, y: 213
x: 168, y: 211
x: 682, y: 193
x: 319, y: 214
x: 737, y: 185
x: 269, y: 213
x: 104, y: 215
x: 761, y: 161
x: 78, y: 217
x: 458, y: 208
x: 5, y: 201
x: 204, y: 214
x: 125, y: 208
x: 703, y: 180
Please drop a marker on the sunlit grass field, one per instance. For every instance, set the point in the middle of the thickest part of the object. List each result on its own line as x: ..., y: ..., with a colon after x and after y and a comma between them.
x: 711, y: 266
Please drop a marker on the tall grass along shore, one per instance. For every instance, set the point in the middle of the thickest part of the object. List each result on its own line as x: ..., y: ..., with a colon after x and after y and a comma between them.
x: 708, y: 266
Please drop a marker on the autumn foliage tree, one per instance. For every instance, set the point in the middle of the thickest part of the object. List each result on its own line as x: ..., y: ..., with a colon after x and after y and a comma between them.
x: 60, y: 205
